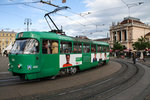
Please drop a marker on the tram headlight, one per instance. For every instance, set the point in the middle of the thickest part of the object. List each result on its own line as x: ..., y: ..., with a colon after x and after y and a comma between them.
x: 19, y: 66
x: 9, y: 65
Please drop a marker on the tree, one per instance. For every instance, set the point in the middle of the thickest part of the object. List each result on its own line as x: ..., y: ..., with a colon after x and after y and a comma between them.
x: 141, y: 44
x: 118, y: 46
x: 148, y: 44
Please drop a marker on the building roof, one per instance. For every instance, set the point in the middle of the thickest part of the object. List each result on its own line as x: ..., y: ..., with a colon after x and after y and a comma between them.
x: 2, y: 31
x: 148, y: 34
x: 102, y: 39
x: 131, y: 20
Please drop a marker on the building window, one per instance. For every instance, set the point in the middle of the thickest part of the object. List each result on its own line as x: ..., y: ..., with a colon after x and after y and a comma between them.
x: 119, y: 35
x: 125, y: 35
x: 115, y: 36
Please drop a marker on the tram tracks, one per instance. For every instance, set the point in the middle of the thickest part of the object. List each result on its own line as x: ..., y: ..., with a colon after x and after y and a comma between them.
x: 13, y: 80
x: 102, y: 90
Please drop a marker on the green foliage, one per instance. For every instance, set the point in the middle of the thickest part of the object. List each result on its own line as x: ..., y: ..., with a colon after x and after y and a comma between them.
x: 141, y: 44
x: 118, y: 46
x: 148, y: 45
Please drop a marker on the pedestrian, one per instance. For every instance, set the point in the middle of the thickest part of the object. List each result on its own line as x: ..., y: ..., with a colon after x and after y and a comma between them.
x: 142, y: 56
x: 134, y: 58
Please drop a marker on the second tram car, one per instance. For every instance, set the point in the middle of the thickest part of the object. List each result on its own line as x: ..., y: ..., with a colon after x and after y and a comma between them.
x: 43, y: 54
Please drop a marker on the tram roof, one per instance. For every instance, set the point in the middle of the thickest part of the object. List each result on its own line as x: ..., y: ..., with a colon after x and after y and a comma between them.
x: 54, y: 36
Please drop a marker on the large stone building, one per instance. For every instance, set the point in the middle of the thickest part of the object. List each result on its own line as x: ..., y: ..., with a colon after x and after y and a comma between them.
x: 6, y: 38
x: 147, y: 36
x: 128, y: 31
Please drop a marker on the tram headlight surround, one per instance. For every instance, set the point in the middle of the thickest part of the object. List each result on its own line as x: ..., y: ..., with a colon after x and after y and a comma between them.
x: 19, y: 66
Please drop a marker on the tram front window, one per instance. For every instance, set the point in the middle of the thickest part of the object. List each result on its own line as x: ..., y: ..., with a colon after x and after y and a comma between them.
x: 25, y: 46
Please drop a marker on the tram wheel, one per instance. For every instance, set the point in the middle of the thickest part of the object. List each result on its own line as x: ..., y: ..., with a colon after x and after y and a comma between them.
x: 22, y: 77
x: 73, y: 70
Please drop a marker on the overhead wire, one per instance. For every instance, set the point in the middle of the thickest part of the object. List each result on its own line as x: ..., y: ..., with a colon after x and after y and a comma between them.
x: 98, y: 11
x: 27, y: 4
x: 36, y: 7
x: 81, y: 16
x: 71, y: 19
x: 6, y: 4
x: 57, y: 14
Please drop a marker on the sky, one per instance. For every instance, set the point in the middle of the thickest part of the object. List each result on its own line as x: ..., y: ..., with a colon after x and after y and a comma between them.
x: 91, y: 18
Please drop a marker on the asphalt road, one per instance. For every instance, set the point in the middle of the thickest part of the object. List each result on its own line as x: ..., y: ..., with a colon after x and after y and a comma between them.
x: 135, y: 88
x: 23, y: 91
x: 3, y: 64
x: 4, y: 67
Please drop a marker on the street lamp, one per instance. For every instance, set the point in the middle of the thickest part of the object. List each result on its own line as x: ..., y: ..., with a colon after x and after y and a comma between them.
x: 27, y: 22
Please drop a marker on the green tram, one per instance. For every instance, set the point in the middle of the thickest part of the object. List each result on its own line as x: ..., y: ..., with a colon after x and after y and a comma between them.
x: 47, y: 54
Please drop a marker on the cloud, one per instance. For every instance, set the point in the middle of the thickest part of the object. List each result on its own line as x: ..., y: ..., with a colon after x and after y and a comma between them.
x: 95, y: 24
x: 104, y: 12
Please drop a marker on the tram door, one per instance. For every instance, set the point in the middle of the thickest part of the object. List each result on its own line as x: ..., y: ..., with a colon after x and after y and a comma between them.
x: 86, y: 56
x: 49, y: 58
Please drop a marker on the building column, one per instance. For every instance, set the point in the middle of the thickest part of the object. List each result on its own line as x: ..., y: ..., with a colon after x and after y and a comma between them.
x: 112, y: 36
x: 127, y: 34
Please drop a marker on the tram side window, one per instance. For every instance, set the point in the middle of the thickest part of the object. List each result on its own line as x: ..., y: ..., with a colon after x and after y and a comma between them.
x: 49, y: 47
x: 104, y: 49
x: 93, y: 48
x: 98, y: 48
x: 66, y: 47
x: 107, y: 49
x: 77, y: 48
x: 86, y: 48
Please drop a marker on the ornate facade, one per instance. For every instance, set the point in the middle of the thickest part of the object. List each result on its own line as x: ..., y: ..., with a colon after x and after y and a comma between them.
x: 128, y: 31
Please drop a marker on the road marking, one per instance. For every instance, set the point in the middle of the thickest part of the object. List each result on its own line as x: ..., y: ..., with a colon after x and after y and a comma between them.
x: 100, y: 83
x: 62, y: 93
x: 75, y: 90
x: 85, y: 87
x: 4, y: 72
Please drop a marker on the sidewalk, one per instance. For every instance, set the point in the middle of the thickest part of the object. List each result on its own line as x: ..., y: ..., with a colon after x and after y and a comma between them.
x: 147, y: 61
x: 141, y: 89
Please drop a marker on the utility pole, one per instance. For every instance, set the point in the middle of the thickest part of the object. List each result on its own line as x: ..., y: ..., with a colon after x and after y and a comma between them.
x: 27, y: 22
